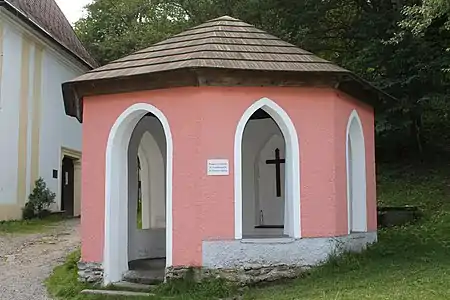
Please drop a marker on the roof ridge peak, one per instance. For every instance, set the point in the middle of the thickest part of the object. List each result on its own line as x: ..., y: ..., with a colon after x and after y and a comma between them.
x: 225, y: 18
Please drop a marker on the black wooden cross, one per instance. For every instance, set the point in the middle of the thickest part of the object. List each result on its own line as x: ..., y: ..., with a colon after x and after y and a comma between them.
x: 277, y: 162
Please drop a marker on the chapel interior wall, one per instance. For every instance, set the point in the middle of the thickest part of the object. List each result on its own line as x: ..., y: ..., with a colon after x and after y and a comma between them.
x: 146, y: 243
x: 256, y: 134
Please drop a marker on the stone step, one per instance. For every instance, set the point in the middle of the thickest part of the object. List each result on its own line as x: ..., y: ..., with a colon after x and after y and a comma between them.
x: 124, y: 285
x: 116, y: 293
x: 148, y: 277
x: 147, y: 264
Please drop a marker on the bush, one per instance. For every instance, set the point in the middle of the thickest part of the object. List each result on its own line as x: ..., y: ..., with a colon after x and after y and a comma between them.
x: 28, y: 212
x: 39, y: 201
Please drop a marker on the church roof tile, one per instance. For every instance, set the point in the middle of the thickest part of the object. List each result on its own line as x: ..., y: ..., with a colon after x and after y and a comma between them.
x: 50, y: 20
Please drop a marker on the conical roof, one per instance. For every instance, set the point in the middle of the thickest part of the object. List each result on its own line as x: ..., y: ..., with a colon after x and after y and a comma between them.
x: 226, y: 43
x: 224, y: 51
x: 47, y: 17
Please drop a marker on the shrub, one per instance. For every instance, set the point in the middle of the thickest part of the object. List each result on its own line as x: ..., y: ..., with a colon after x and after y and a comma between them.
x: 39, y: 201
x: 28, y: 212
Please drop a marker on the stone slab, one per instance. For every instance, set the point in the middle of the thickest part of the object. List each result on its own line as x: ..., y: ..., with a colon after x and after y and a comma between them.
x: 148, y: 277
x: 305, y: 252
x: 116, y: 293
x: 133, y: 286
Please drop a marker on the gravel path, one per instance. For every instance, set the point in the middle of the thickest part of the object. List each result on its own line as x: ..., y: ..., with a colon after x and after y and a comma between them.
x: 27, y: 260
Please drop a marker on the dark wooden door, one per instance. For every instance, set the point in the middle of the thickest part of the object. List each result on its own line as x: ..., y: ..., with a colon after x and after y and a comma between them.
x: 67, y: 182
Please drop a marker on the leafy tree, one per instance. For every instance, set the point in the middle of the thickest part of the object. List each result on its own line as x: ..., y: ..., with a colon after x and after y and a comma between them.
x: 113, y: 28
x: 420, y: 17
x: 398, y: 45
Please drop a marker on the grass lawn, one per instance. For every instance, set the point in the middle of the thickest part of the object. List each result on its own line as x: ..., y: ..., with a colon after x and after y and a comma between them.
x: 28, y: 226
x: 412, y: 262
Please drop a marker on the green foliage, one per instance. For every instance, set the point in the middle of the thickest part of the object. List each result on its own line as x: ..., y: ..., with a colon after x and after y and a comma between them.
x: 399, y: 46
x: 63, y: 283
x: 207, y: 289
x: 38, y: 201
x: 420, y: 17
x: 114, y: 28
x: 28, y: 212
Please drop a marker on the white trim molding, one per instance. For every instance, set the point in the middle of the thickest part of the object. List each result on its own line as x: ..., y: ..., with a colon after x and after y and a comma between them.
x: 292, y: 178
x: 355, y: 152
x: 115, y: 252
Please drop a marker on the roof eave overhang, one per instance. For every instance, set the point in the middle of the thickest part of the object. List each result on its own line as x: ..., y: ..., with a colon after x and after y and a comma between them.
x: 18, y: 13
x: 346, y: 82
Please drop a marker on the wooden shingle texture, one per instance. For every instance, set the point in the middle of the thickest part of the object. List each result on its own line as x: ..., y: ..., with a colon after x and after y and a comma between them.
x: 221, y: 52
x: 49, y: 18
x: 223, y: 43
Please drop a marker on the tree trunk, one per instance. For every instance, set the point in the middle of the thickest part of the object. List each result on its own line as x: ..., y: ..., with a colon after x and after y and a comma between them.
x: 416, y: 132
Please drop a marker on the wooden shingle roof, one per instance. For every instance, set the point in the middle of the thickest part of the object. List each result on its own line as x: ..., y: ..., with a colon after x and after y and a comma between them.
x: 47, y: 17
x: 225, y: 43
x: 224, y: 51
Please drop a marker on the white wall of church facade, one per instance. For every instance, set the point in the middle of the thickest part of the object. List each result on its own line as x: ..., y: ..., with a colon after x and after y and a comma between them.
x: 33, y: 123
x: 9, y: 113
x: 57, y: 129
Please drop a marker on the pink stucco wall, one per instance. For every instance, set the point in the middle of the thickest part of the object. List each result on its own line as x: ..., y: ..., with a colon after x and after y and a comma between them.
x: 203, y: 123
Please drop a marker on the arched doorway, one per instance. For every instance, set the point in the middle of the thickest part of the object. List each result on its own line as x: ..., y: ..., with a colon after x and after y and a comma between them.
x: 146, y: 193
x: 267, y: 173
x: 128, y: 133
x: 356, y: 175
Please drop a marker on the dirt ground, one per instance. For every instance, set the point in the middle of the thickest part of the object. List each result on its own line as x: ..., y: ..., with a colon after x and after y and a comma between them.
x: 27, y: 260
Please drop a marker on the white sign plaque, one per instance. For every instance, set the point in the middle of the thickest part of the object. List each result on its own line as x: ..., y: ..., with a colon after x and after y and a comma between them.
x: 218, y: 167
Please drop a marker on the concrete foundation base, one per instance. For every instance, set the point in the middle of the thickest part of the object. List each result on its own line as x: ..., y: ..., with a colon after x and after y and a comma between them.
x: 252, y: 261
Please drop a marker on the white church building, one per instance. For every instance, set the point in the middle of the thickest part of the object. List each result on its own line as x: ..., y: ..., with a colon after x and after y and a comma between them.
x: 39, y: 50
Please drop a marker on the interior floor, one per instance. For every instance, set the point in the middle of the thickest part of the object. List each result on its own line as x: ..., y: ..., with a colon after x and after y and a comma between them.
x: 147, y: 264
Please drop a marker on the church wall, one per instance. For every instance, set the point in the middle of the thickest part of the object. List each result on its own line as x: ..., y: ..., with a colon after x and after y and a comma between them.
x: 57, y: 129
x: 344, y: 107
x: 32, y: 117
x: 9, y: 120
x: 19, y: 96
x: 203, y: 123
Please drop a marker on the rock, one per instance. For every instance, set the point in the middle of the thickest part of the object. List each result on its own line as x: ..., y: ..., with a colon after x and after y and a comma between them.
x: 90, y: 272
x: 116, y: 293
x: 10, y: 258
x: 249, y: 274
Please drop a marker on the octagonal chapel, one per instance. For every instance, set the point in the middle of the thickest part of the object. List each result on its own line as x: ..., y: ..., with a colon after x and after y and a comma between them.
x: 224, y: 149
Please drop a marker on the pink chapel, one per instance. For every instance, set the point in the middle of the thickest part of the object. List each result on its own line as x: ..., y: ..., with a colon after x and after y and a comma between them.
x: 226, y: 150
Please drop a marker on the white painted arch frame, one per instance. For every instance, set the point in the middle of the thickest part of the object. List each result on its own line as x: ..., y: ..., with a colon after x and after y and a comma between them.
x: 357, y: 185
x: 292, y: 184
x: 115, y: 252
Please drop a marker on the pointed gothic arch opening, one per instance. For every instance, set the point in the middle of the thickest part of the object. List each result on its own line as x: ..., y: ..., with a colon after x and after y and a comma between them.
x: 121, y: 187
x: 356, y: 175
x: 277, y: 169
